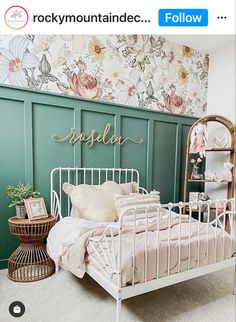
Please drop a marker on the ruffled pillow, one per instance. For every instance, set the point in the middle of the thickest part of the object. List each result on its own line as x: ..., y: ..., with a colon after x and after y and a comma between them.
x: 127, y: 204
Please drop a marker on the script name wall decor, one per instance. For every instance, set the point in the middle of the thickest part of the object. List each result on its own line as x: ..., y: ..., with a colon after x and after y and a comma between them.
x: 73, y: 137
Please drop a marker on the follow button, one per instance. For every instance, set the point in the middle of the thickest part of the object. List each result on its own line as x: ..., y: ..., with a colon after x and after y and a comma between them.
x: 183, y: 17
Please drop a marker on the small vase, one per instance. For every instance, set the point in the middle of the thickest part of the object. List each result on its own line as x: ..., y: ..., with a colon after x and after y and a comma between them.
x: 195, y: 174
x: 20, y: 212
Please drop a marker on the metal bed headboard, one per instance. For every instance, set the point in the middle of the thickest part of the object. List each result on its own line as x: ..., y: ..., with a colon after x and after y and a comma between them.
x: 60, y: 202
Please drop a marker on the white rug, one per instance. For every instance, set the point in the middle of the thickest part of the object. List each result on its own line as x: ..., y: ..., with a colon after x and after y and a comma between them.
x: 65, y: 298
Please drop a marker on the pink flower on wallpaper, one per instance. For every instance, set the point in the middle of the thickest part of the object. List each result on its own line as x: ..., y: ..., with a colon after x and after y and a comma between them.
x: 85, y: 85
x: 174, y: 104
x: 15, y: 60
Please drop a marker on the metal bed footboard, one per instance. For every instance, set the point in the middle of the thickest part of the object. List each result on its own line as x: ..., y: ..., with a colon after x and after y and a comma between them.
x: 108, y: 257
x: 109, y: 260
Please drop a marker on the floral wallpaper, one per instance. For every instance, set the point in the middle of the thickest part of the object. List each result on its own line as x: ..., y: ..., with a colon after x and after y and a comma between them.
x: 138, y: 70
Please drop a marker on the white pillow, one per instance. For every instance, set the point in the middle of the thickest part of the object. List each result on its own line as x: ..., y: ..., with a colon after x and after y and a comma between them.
x: 94, y: 202
x: 129, y: 187
x: 128, y: 203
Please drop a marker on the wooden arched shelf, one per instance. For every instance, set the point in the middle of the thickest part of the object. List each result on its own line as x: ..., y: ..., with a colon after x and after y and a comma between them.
x: 231, y: 149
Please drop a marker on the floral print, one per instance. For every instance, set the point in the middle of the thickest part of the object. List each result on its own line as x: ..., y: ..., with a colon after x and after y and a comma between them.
x: 15, y: 60
x: 174, y: 104
x: 85, y: 85
x: 96, y: 49
x: 187, y: 52
x: 171, y: 58
x: 136, y: 50
x: 144, y: 71
x: 183, y: 75
x: 129, y: 88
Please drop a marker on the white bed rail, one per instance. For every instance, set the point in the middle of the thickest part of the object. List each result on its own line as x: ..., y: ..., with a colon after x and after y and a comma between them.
x: 107, y: 256
x: 60, y: 202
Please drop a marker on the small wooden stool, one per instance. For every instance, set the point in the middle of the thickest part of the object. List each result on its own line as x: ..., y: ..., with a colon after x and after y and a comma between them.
x: 30, y: 261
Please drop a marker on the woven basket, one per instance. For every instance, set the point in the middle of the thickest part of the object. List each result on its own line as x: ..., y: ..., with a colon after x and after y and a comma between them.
x: 21, y: 212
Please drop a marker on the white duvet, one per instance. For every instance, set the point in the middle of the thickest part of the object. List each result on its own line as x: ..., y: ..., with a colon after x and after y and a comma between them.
x: 65, y: 233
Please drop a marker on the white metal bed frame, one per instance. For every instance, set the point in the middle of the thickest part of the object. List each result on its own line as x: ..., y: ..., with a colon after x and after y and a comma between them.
x: 109, y: 264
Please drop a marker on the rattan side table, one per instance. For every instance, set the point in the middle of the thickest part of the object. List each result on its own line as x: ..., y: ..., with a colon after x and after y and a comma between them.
x: 30, y: 261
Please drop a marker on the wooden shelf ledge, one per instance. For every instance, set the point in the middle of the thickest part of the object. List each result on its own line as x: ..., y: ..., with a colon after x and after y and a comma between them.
x: 220, y: 149
x: 203, y: 180
x: 212, y: 210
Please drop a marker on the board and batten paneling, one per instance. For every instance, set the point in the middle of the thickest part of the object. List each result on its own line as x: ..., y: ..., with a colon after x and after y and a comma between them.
x: 99, y: 153
x: 164, y: 152
x: 27, y: 152
x: 135, y: 155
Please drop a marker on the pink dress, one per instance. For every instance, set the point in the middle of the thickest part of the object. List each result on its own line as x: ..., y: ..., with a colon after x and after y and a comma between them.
x: 198, y: 144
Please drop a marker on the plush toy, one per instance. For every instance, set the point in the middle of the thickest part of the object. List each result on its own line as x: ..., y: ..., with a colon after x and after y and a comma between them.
x: 226, y: 174
x: 203, y: 197
x: 210, y: 175
x: 199, y: 139
x: 156, y: 193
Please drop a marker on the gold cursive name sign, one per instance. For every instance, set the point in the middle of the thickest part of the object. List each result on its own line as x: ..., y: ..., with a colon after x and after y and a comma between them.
x: 73, y: 137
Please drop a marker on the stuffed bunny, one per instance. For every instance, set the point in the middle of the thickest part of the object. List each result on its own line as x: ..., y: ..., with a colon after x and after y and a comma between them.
x: 226, y: 174
x: 199, y: 138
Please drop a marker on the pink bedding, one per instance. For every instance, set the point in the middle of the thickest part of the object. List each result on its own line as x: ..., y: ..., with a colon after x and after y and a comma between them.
x: 80, y: 251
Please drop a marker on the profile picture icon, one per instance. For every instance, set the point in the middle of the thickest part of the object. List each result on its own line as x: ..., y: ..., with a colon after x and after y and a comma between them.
x: 16, y: 17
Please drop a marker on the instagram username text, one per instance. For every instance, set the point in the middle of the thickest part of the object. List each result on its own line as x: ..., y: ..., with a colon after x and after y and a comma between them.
x: 98, y: 18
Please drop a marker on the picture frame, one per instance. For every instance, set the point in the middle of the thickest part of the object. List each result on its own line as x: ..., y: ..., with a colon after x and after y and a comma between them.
x: 194, y: 197
x: 35, y: 208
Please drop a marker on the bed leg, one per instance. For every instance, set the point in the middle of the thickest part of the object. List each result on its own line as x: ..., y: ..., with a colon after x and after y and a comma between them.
x: 118, y: 310
x: 234, y: 289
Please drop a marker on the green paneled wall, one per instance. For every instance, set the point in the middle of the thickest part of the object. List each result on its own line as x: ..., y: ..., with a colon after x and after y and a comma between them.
x: 99, y: 153
x: 12, y: 164
x: 135, y: 155
x: 164, y: 152
x: 27, y: 153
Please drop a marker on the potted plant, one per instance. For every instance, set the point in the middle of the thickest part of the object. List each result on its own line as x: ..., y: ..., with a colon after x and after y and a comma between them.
x: 17, y: 194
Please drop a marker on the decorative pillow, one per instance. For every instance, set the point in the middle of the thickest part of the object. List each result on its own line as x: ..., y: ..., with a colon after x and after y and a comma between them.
x: 129, y: 187
x: 125, y: 203
x: 94, y: 202
x: 74, y: 212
